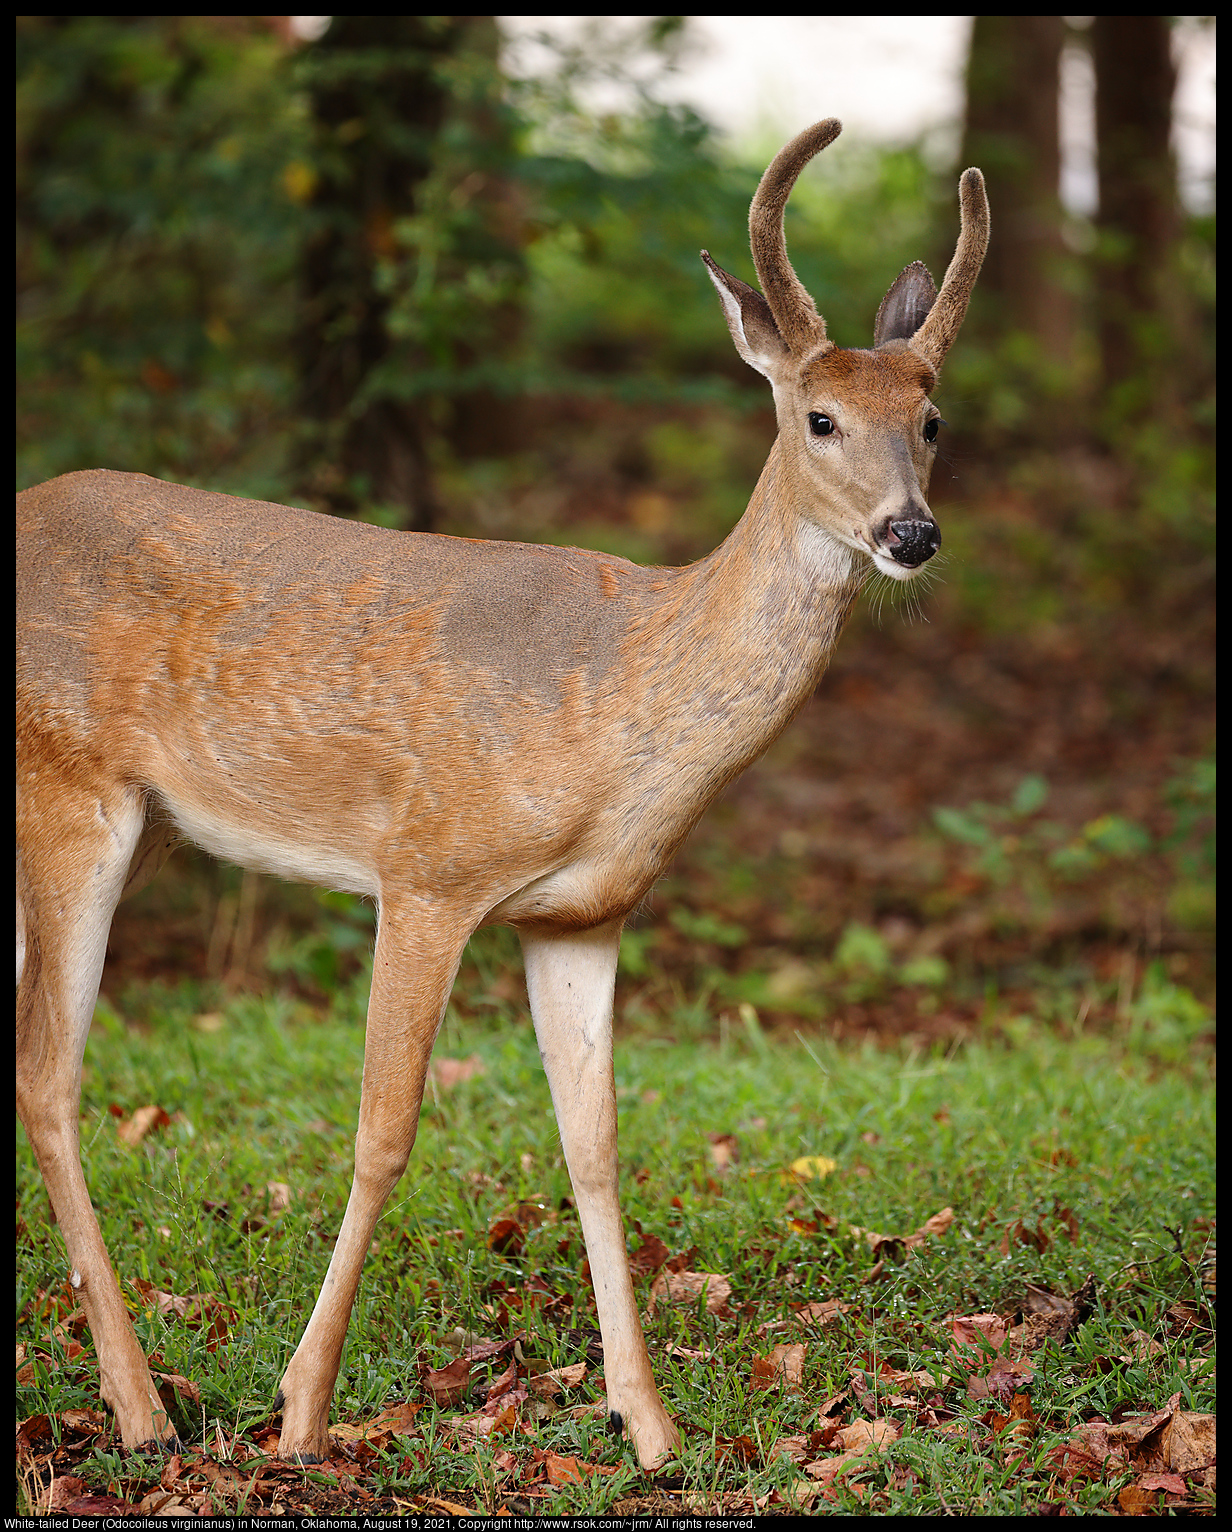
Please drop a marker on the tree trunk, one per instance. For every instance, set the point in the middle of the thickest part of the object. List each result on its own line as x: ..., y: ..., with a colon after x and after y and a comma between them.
x: 1138, y: 222
x: 1012, y: 134
x: 379, y: 99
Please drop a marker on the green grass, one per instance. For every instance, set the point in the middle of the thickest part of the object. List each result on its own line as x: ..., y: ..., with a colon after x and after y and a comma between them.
x: 1062, y: 1154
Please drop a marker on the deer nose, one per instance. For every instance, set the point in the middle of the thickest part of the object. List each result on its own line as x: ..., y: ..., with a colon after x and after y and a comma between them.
x: 913, y: 542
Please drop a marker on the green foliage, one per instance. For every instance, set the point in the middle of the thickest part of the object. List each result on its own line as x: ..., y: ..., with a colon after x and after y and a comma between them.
x: 1011, y: 843
x: 157, y: 241
x: 1005, y: 839
x: 167, y: 170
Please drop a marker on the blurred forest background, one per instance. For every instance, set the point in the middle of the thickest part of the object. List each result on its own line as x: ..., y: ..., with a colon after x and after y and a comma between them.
x: 373, y: 274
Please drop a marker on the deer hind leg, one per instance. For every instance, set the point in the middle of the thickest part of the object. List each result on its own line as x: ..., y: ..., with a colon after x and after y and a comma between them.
x: 76, y: 842
x: 570, y: 980
x: 418, y: 950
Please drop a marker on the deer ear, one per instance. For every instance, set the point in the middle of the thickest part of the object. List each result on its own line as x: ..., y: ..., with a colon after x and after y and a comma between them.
x: 906, y: 306
x: 750, y: 321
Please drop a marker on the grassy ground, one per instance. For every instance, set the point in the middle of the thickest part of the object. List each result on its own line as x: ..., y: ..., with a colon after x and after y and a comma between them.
x: 821, y: 1365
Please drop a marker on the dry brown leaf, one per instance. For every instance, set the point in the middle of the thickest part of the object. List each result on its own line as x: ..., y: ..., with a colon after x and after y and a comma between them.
x: 686, y: 1287
x: 448, y: 1384
x: 501, y: 1385
x: 1170, y: 1483
x: 869, y: 1433
x: 557, y: 1379
x: 175, y: 1385
x: 784, y: 1366
x: 1141, y: 1348
x: 570, y: 1470
x: 825, y: 1312
x: 723, y: 1150
x: 794, y: 1448
x: 932, y: 1227
x: 446, y: 1073
x: 506, y: 1236
x: 649, y: 1257
x: 890, y: 1246
x: 397, y: 1420
x: 971, y: 1335
x: 501, y: 1415
x: 449, y: 1507
x: 1191, y: 1442
x: 61, y: 1491
x: 144, y: 1120
x: 857, y: 1440
x: 279, y: 1194
x: 98, y: 1505
x: 822, y: 1313
x: 83, y: 1422
x: 1137, y: 1502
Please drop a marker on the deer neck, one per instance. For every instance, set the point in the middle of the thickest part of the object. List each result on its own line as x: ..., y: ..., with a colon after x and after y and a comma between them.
x: 741, y: 638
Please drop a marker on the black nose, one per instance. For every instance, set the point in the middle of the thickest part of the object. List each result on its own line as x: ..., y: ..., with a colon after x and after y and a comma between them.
x: 917, y: 541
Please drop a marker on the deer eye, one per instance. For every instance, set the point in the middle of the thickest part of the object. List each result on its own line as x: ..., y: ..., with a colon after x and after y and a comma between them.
x: 931, y: 428
x: 820, y: 425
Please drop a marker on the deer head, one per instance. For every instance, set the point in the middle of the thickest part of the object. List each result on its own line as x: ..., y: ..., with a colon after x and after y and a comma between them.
x: 857, y: 429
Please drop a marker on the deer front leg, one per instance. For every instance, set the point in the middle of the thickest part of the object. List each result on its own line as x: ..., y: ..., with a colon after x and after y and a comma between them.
x: 413, y: 969
x: 76, y: 840
x: 570, y: 980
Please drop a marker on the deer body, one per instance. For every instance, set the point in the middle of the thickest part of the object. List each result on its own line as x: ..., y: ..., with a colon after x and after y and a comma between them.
x: 467, y: 732
x: 535, y: 727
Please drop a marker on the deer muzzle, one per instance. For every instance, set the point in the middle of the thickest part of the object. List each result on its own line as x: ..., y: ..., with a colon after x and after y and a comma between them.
x: 913, y: 542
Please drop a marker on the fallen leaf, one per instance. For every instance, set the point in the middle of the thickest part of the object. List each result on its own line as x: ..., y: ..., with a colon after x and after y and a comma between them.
x: 557, y: 1379
x: 793, y: 1448
x: 1018, y: 1233
x: 690, y: 1354
x: 144, y: 1120
x: 1021, y: 1420
x: 397, y: 1420
x: 570, y: 1470
x: 1170, y: 1483
x: 501, y: 1385
x: 449, y: 1507
x: 176, y: 1387
x: 482, y: 1351
x: 972, y: 1336
x: 890, y: 1245
x: 448, y: 1384
x: 649, y: 1257
x: 197, y: 1309
x: 869, y: 1433
x: 1137, y: 1502
x: 279, y: 1194
x: 784, y: 1366
x: 1003, y: 1378
x: 825, y: 1312
x: 506, y: 1236
x: 98, y: 1505
x: 61, y: 1491
x: 1191, y: 1443
x: 83, y: 1422
x: 723, y: 1147
x: 811, y: 1167
x: 446, y: 1073
x: 1142, y: 1348
x: 686, y: 1287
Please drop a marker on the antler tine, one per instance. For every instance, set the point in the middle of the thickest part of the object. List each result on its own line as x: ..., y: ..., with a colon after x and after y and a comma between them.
x: 795, y: 313
x: 936, y: 335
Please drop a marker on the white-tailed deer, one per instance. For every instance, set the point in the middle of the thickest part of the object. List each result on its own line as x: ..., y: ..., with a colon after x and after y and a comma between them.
x: 467, y: 732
